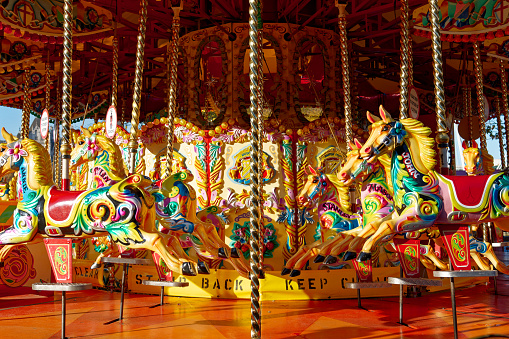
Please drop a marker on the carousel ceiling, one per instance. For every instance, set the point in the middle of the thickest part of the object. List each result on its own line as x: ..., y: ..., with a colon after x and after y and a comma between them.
x: 32, y: 35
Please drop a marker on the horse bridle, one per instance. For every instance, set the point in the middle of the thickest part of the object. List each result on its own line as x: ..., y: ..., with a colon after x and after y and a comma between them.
x: 319, y: 188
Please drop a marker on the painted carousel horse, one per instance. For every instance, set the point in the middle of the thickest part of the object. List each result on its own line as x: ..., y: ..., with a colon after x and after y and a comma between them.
x: 351, y: 170
x: 477, y: 160
x: 337, y: 223
x: 124, y: 210
x: 423, y: 197
x: 175, y: 198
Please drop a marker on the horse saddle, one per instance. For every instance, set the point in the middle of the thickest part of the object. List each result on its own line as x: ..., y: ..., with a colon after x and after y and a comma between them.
x: 60, y: 204
x: 470, y: 190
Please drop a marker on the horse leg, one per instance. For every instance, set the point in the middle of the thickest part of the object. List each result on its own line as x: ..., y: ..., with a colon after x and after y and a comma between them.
x: 240, y: 266
x: 356, y: 244
x: 325, y: 250
x: 431, y: 255
x: 299, y: 259
x: 428, y: 264
x: 386, y: 228
x: 207, y: 239
x: 337, y: 249
x: 154, y: 242
x: 112, y: 251
x: 490, y: 255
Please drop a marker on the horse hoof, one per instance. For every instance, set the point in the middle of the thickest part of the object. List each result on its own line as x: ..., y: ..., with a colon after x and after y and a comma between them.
x: 188, y: 269
x: 203, y: 268
x: 330, y: 259
x: 319, y: 258
x: 295, y: 273
x: 222, y: 253
x: 94, y: 266
x: 349, y: 255
x: 364, y: 256
x: 234, y: 253
x: 285, y: 271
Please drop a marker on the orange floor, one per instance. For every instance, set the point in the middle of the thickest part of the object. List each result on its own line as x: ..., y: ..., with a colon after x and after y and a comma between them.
x: 37, y: 316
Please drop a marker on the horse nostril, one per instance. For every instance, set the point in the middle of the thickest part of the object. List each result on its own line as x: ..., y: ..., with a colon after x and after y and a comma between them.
x: 343, y: 175
x: 367, y: 150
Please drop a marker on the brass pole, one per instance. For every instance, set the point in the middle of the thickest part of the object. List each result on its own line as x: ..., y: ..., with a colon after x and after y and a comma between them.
x: 65, y: 148
x: 138, y: 77
x: 505, y: 102
x: 25, y: 117
x: 404, y: 61
x: 260, y: 139
x: 479, y: 86
x: 255, y: 79
x: 172, y: 86
x: 114, y: 78
x: 500, y: 134
x: 346, y: 73
x: 56, y: 155
x: 47, y: 93
x: 442, y: 137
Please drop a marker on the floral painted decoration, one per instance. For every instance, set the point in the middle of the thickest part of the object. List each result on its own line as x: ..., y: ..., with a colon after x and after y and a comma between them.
x: 17, y: 152
x: 241, y: 235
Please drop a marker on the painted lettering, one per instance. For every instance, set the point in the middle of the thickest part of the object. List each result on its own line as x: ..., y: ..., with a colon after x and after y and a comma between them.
x: 289, y: 286
x: 149, y: 276
x: 323, y: 282
x: 300, y: 284
x: 407, y: 160
x: 238, y: 285
x: 204, y: 283
x: 216, y: 285
x: 312, y: 284
x: 138, y: 279
x: 226, y: 286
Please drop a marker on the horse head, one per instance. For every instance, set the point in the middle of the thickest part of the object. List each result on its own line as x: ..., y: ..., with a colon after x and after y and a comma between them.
x: 355, y: 167
x: 87, y: 148
x: 472, y: 158
x: 314, y: 187
x: 11, y: 154
x: 385, y: 135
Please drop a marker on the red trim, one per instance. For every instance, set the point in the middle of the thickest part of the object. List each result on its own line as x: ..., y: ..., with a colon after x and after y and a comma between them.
x: 66, y: 184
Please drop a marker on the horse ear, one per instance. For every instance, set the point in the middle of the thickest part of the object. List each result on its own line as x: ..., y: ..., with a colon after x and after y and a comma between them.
x: 357, y: 143
x: 352, y: 145
x: 312, y: 170
x: 371, y: 118
x: 7, y: 136
x: 474, y: 144
x: 86, y: 132
x: 464, y: 144
x: 386, y: 117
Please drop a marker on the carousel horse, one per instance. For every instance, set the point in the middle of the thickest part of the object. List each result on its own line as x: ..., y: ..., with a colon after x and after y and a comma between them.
x: 422, y: 196
x: 337, y: 222
x: 477, y: 162
x: 124, y: 210
x: 376, y: 207
x: 175, y: 199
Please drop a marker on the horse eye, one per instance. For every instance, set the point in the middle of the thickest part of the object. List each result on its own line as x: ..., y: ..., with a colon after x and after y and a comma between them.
x: 2, y: 149
x: 81, y: 142
x: 386, y: 128
x: 315, y: 181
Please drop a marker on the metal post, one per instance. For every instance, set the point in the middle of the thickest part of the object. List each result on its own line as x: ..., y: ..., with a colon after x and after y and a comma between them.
x: 505, y: 102
x: 63, y: 314
x: 442, y: 137
x: 453, y: 303
x: 500, y: 134
x: 260, y: 141
x: 65, y: 148
x: 138, y: 77
x: 255, y: 78
x: 122, y: 291
x: 400, y: 295
x: 25, y: 117
x: 162, y: 295
x: 172, y: 86
x: 479, y: 86
x: 114, y: 77
x: 404, y: 61
x: 47, y: 98
x: 346, y: 73
x: 359, y: 305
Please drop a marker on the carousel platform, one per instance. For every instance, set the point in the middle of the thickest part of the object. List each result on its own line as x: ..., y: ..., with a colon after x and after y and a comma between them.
x: 480, y: 315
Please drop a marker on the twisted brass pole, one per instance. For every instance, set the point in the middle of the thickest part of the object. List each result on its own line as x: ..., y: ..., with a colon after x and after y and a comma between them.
x: 255, y: 79
x: 260, y: 138
x: 25, y: 117
x: 345, y: 73
x: 404, y: 61
x: 56, y: 149
x: 172, y: 86
x: 114, y: 77
x: 65, y: 147
x: 47, y: 98
x: 138, y: 77
x: 505, y: 102
x: 410, y: 55
x: 479, y: 86
x: 442, y: 137
x: 500, y: 134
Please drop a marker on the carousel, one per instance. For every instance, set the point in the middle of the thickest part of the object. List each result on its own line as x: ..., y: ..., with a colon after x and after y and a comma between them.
x: 254, y: 153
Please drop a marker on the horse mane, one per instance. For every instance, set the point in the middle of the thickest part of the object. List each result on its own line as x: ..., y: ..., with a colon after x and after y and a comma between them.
x: 41, y: 161
x: 343, y: 192
x: 487, y: 161
x: 385, y: 161
x: 116, y: 161
x: 420, y: 133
